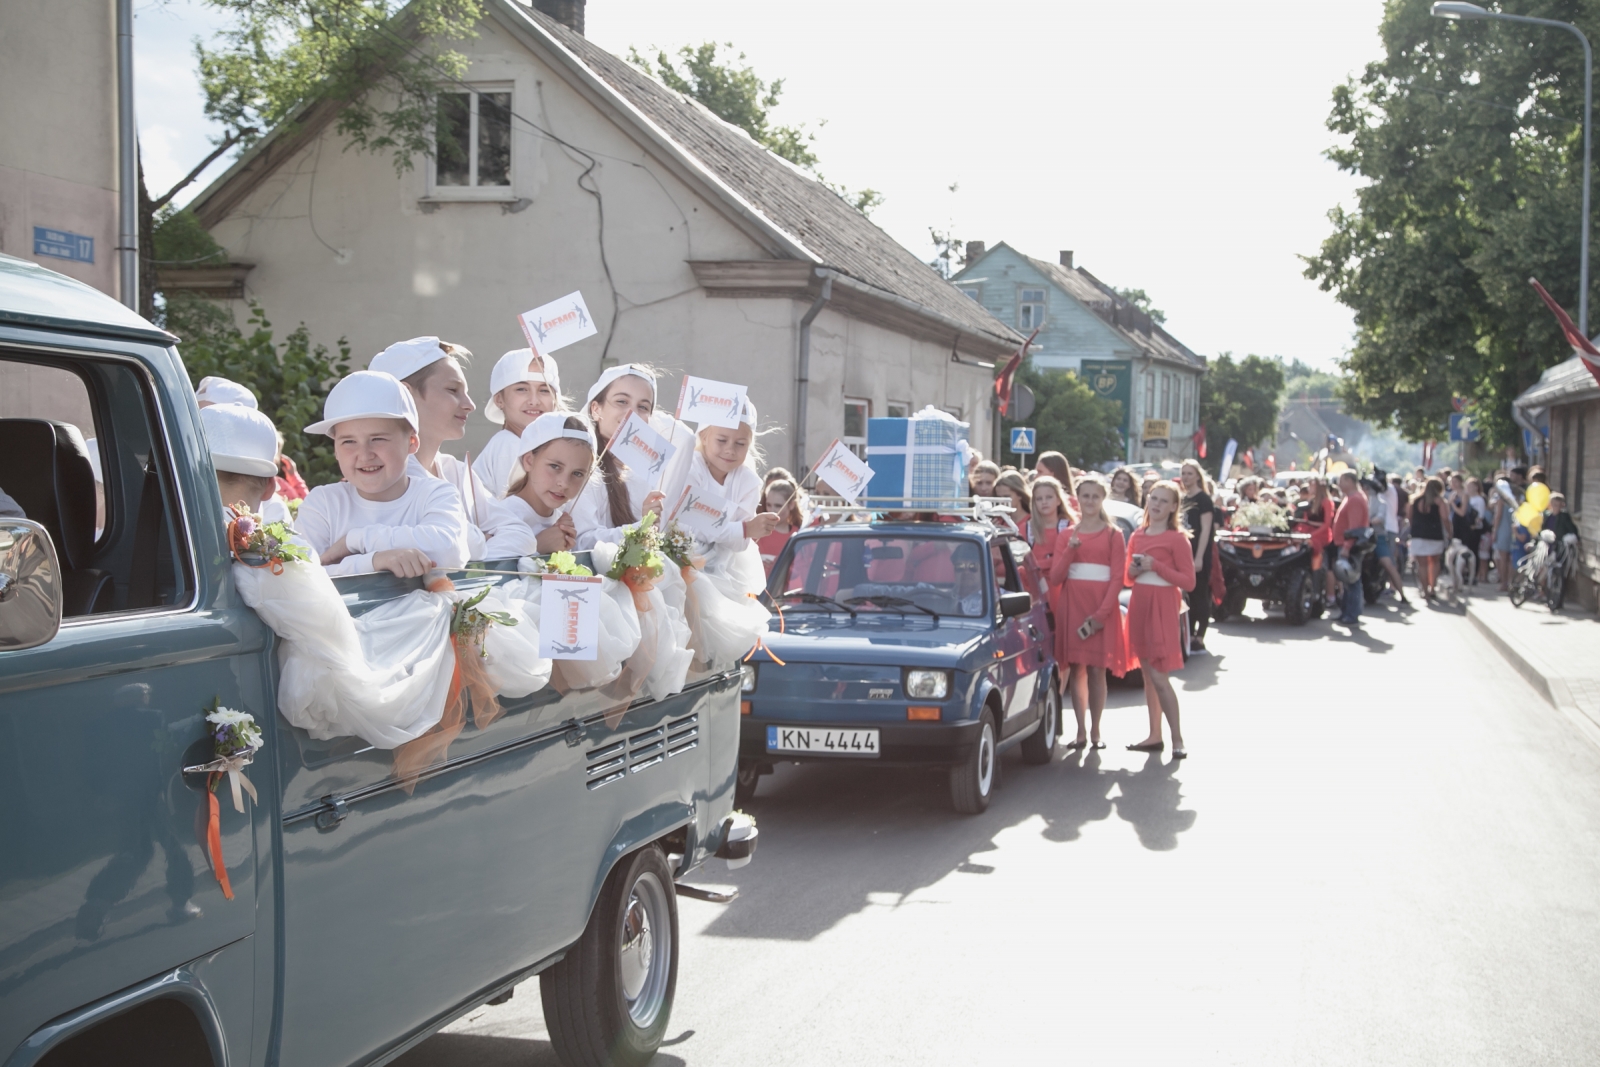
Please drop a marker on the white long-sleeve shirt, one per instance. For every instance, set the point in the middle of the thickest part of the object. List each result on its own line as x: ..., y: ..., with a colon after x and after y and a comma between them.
x: 742, y: 491
x: 493, y: 465
x: 493, y: 530
x: 532, y: 519
x: 427, y: 516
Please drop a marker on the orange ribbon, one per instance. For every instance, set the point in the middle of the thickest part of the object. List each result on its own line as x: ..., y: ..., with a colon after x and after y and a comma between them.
x: 761, y: 645
x: 214, y: 835
x: 639, y: 581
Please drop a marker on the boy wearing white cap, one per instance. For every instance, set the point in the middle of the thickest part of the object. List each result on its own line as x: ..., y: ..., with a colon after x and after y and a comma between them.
x: 380, y: 518
x: 217, y: 390
x: 244, y: 451
x: 522, y: 387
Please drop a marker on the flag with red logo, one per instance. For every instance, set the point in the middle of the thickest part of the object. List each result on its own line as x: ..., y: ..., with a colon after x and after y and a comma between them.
x: 1002, y: 384
x: 1580, y: 344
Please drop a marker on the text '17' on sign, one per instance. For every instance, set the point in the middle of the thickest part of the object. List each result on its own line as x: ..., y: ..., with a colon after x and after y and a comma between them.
x: 557, y: 324
x: 708, y: 403
x: 1022, y: 439
x: 569, y: 617
x: 846, y: 473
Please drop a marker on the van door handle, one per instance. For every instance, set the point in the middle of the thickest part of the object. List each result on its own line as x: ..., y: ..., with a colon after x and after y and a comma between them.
x: 333, y: 811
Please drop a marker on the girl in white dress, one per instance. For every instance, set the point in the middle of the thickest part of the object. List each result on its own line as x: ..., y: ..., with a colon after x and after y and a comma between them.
x: 613, y: 499
x: 523, y: 386
x: 549, y: 475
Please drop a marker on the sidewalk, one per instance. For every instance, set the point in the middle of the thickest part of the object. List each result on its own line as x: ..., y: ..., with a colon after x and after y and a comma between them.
x: 1559, y: 654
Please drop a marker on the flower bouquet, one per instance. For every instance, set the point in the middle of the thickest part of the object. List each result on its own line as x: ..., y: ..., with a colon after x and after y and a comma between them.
x: 256, y: 543
x: 639, y: 561
x: 235, y: 739
x: 1261, y: 516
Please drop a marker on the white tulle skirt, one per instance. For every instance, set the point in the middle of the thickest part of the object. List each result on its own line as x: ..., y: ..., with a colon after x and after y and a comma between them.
x: 725, y: 616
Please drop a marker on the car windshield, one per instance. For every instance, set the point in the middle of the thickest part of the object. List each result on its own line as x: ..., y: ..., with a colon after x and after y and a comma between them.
x: 889, y: 574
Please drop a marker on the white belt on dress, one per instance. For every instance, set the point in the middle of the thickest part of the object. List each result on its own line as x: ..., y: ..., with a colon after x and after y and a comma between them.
x: 1150, y: 578
x: 1089, y: 572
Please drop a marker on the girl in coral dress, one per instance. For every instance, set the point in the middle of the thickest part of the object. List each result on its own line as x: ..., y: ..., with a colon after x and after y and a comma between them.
x: 1161, y: 570
x: 1085, y: 579
x: 1049, y: 520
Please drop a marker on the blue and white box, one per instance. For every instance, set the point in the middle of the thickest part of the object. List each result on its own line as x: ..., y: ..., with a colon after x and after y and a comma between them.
x: 920, y: 462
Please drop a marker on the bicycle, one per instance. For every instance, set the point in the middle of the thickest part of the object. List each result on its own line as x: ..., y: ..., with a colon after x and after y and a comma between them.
x: 1543, y: 572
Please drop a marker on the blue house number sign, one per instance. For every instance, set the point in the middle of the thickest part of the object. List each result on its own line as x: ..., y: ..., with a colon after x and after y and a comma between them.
x: 1022, y: 439
x: 63, y: 244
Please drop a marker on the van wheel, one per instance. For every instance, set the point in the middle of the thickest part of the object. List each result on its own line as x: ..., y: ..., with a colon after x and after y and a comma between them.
x: 608, y: 1001
x: 1041, y: 744
x: 972, y: 783
x: 745, y: 782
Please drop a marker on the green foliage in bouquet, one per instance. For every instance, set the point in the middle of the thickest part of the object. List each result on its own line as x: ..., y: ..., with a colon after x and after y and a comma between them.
x: 641, y: 547
x: 469, y: 621
x: 1261, y: 513
x: 677, y: 544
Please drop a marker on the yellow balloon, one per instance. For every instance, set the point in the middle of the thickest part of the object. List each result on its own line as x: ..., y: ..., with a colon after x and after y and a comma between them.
x: 1530, y: 516
x: 1538, y: 495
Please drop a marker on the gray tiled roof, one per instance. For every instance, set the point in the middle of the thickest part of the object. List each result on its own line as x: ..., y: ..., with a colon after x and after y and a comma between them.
x: 812, y: 214
x: 1140, y: 330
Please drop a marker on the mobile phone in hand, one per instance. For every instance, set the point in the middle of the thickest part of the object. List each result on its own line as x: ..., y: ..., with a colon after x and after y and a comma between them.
x: 1086, y: 631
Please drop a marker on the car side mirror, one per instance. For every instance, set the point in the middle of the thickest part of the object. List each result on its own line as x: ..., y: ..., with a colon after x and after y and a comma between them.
x: 1014, y: 604
x: 30, y: 585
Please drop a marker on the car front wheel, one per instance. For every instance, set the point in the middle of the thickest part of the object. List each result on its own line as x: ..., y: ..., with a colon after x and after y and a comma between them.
x: 1041, y: 745
x: 972, y: 783
x: 607, y: 1002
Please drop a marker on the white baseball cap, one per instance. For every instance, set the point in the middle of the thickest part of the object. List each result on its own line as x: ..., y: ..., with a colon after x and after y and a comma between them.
x: 404, y: 358
x: 218, y: 390
x: 366, y: 394
x: 517, y: 366
x: 621, y: 370
x: 242, y: 440
x: 551, y: 426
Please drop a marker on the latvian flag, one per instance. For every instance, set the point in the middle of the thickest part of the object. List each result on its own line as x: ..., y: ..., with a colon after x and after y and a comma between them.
x: 1580, y: 344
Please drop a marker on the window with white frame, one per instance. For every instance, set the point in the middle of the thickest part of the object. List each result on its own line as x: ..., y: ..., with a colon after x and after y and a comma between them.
x: 856, y: 414
x: 1149, y: 395
x: 472, y: 143
x: 1030, y: 309
x: 897, y: 409
x: 1166, y: 396
x: 1188, y: 398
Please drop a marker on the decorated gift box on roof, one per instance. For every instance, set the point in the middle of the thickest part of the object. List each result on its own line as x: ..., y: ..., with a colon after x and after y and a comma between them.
x: 920, y: 461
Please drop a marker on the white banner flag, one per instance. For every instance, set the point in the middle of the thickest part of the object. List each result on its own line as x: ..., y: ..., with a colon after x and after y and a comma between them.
x: 557, y: 324
x: 569, y: 617
x: 845, y: 472
x: 642, y: 449
x: 708, y: 403
x: 703, y: 514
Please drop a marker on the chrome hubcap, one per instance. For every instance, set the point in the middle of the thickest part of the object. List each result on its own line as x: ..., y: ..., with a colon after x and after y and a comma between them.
x: 644, y: 950
x: 985, y: 759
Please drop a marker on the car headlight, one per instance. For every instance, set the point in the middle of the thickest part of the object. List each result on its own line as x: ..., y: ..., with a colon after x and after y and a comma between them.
x: 927, y: 685
x: 748, y: 685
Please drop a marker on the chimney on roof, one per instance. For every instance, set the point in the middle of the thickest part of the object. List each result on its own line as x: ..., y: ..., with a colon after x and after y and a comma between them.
x: 975, y: 250
x: 1066, y: 259
x: 567, y: 12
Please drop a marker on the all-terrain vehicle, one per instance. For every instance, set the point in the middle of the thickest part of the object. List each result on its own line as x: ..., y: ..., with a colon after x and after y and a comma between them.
x: 1270, y: 566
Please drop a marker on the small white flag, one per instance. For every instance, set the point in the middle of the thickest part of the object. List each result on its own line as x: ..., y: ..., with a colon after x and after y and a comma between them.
x: 640, y: 447
x: 708, y: 403
x: 701, y: 513
x: 845, y: 472
x: 569, y: 617
x: 557, y: 324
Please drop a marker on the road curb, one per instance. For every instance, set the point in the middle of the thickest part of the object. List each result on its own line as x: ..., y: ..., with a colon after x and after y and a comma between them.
x: 1541, y: 676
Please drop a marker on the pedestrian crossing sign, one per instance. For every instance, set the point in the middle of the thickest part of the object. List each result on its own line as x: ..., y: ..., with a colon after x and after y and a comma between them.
x: 1022, y: 440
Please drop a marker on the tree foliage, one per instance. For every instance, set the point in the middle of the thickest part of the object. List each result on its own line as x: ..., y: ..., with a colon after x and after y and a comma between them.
x: 1069, y: 418
x: 1141, y: 300
x: 1301, y: 381
x: 1240, y: 399
x: 1469, y: 136
x: 731, y: 89
x: 291, y: 379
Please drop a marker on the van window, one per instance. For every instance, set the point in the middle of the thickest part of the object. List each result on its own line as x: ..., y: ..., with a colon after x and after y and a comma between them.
x: 82, y: 454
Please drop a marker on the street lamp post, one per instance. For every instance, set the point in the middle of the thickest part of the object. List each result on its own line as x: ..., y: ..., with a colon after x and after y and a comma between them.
x: 1453, y: 9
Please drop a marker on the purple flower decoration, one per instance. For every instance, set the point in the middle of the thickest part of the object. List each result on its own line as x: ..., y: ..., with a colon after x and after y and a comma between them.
x: 247, y: 525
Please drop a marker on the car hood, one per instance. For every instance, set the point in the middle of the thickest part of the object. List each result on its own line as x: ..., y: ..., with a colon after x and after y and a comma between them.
x: 815, y: 637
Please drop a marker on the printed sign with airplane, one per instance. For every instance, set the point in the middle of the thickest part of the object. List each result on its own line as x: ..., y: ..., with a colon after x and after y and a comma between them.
x: 569, y: 617
x: 557, y: 324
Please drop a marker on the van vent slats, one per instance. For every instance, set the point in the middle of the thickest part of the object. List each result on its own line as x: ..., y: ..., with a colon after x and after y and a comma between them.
x: 641, y: 751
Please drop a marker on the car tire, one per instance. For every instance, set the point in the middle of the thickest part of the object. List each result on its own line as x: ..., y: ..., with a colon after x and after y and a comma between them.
x: 972, y: 783
x: 1300, y: 599
x: 1040, y: 746
x: 608, y: 1001
x: 747, y: 778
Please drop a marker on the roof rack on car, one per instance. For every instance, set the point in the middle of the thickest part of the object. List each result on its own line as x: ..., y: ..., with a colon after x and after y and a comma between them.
x: 995, y: 509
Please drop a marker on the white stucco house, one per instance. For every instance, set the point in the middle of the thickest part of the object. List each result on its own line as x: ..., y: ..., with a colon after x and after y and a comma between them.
x: 696, y: 249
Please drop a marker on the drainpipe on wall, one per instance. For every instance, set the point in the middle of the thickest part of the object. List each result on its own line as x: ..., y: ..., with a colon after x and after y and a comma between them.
x: 127, y: 163
x: 803, y: 371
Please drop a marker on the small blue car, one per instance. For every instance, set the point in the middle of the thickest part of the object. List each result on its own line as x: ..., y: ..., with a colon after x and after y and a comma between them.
x: 903, y: 643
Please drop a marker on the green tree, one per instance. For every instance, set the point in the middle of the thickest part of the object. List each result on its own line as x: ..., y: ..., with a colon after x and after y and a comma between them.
x: 290, y: 379
x: 1469, y: 137
x: 1141, y: 300
x: 1240, y: 399
x: 733, y: 91
x: 1069, y: 418
x: 1303, y: 382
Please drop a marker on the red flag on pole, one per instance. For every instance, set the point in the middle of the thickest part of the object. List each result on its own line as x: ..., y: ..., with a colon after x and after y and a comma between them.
x: 1249, y: 459
x: 1272, y: 461
x: 1580, y: 344
x: 1427, y: 454
x: 1002, y: 384
x: 1199, y: 440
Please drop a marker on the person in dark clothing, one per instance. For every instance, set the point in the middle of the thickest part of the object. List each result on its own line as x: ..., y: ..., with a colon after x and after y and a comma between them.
x: 1199, y: 517
x: 1557, y: 519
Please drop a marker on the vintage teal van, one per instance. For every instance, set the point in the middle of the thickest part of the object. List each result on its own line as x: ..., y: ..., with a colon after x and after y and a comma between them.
x: 364, y: 915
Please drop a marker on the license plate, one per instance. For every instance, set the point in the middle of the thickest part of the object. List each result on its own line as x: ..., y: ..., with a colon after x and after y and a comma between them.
x: 823, y: 742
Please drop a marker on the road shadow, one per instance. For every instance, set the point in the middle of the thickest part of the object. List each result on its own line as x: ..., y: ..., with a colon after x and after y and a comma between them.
x: 484, y: 1050
x: 835, y: 840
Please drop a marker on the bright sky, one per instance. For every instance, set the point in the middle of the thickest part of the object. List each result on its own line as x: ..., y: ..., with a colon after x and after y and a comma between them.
x: 1175, y: 146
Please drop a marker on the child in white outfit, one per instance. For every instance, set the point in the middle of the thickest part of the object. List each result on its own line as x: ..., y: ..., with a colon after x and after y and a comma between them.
x: 522, y: 387
x: 380, y: 517
x: 549, y: 476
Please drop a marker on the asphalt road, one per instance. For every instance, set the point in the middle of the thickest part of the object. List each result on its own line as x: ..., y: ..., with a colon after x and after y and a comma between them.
x: 1382, y: 850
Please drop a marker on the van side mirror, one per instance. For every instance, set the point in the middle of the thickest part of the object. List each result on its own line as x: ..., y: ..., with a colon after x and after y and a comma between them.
x: 1014, y: 604
x: 30, y: 585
